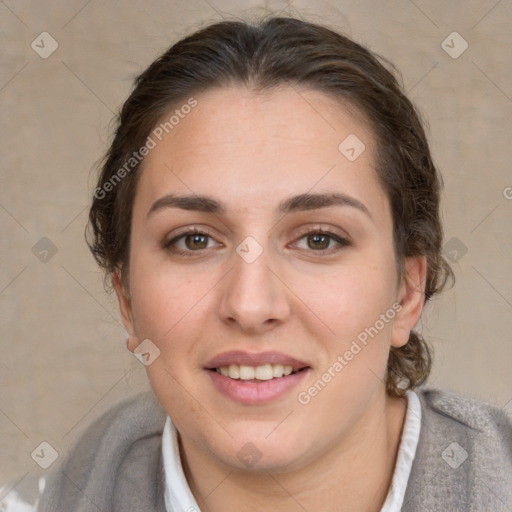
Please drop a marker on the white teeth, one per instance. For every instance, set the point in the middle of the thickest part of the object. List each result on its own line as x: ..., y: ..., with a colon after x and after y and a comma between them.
x: 247, y: 372
x: 233, y: 371
x: 277, y: 370
x: 263, y: 372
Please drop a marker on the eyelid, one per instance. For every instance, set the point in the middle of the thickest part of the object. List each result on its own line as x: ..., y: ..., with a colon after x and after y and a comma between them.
x: 342, y: 241
x: 323, y: 230
x: 166, y: 244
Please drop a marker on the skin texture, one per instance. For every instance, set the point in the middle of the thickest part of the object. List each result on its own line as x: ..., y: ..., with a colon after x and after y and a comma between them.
x: 250, y: 151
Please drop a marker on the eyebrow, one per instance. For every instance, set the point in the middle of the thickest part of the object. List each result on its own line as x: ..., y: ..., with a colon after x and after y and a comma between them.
x: 301, y: 202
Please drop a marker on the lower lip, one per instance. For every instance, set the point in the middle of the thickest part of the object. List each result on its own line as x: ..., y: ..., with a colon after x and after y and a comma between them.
x: 254, y: 393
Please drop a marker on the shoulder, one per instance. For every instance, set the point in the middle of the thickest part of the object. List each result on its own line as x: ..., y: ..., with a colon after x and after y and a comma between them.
x: 463, y: 459
x: 123, y: 442
x: 117, y: 429
x: 143, y: 411
x: 475, y: 414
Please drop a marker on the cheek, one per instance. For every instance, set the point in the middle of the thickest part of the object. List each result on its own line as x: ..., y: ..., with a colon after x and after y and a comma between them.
x: 357, y: 307
x: 168, y: 301
x: 351, y: 298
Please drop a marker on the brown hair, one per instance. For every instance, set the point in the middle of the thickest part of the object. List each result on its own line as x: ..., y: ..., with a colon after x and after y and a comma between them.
x: 272, y: 52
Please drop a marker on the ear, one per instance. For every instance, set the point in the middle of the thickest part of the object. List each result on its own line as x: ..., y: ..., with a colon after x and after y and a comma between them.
x: 125, y: 308
x: 411, y: 296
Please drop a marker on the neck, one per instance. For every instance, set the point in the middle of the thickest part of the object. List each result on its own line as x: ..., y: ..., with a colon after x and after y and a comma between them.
x: 355, y: 475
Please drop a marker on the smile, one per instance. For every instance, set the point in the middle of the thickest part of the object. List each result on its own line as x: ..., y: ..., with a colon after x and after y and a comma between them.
x: 255, y: 378
x: 256, y: 373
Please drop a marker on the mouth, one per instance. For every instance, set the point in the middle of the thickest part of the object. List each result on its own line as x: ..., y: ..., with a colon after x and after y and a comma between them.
x: 255, y: 378
x: 260, y: 373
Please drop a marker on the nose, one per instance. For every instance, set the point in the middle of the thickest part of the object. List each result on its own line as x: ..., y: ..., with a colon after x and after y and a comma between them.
x: 254, y: 298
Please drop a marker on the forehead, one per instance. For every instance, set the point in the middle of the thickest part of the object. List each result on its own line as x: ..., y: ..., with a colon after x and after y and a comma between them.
x: 253, y: 146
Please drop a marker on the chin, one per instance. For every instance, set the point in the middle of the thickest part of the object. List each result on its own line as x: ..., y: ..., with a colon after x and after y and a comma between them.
x: 254, y: 450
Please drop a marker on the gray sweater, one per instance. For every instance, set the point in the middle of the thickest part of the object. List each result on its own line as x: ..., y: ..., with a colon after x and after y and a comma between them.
x: 463, y: 460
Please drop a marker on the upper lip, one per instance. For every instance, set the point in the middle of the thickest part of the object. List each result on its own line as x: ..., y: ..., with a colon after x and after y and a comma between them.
x: 254, y: 359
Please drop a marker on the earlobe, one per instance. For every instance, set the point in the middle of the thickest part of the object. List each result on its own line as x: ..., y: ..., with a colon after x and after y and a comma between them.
x: 125, y: 309
x: 132, y: 343
x: 411, y: 297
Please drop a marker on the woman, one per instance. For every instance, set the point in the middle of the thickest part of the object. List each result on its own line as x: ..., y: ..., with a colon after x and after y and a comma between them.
x: 268, y: 214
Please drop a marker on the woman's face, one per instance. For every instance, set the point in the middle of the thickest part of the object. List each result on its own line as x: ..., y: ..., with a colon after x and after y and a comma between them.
x: 261, y: 240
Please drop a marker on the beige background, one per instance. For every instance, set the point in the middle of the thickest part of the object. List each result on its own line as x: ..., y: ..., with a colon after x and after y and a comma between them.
x: 63, y: 358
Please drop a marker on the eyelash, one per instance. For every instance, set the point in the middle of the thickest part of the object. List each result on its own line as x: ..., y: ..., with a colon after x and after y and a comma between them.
x: 342, y: 242
x: 168, y: 246
x: 194, y: 231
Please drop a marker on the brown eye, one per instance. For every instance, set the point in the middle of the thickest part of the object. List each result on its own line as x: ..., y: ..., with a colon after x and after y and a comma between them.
x: 318, y: 241
x: 190, y: 243
x: 196, y: 241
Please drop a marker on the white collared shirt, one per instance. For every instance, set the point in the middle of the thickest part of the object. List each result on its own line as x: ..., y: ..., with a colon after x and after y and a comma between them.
x: 179, y: 497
